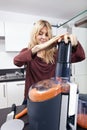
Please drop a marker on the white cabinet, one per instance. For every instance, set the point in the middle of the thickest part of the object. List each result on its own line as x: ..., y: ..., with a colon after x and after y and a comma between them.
x: 17, y: 35
x: 2, y: 28
x: 11, y: 92
x: 15, y: 93
x: 3, y: 95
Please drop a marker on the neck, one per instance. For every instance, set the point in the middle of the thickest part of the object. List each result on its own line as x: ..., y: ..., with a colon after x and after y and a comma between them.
x: 41, y: 54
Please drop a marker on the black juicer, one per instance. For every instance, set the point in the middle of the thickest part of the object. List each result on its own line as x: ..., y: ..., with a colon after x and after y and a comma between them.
x: 50, y: 101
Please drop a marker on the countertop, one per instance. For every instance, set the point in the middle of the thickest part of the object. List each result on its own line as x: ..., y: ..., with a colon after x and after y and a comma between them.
x: 5, y: 111
x: 9, y: 75
x: 12, y: 79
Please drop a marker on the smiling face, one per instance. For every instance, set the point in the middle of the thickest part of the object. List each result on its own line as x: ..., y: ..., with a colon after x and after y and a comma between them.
x: 41, y: 32
x: 42, y: 36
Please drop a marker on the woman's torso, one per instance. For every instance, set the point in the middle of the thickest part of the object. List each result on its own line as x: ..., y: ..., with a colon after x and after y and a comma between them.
x: 38, y: 70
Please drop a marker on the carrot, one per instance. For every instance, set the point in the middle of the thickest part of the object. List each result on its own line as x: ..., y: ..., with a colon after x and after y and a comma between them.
x: 22, y: 113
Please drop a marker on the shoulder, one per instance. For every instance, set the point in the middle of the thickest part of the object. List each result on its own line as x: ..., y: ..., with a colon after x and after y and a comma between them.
x: 24, y: 49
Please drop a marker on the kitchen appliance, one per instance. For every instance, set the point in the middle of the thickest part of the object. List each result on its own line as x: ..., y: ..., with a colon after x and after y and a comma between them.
x: 52, y: 103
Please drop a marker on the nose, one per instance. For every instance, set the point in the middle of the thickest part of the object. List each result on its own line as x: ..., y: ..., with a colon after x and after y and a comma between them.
x: 43, y: 36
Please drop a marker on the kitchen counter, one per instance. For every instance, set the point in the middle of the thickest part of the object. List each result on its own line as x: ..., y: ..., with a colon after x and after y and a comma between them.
x: 9, y: 75
x: 12, y: 79
x: 5, y: 111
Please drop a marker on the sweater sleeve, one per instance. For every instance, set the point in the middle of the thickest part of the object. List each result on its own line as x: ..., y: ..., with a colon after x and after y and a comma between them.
x: 23, y: 57
x: 78, y: 53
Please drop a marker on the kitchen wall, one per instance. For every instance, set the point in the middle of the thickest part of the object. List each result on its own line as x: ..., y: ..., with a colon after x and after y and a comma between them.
x: 6, y: 58
x: 24, y: 18
x: 80, y: 69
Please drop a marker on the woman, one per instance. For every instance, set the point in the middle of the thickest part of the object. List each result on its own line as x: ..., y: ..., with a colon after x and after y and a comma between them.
x: 41, y: 54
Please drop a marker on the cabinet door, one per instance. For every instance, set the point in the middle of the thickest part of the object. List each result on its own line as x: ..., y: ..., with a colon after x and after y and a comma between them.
x: 3, y: 95
x: 15, y: 92
x: 17, y: 36
x: 2, y: 29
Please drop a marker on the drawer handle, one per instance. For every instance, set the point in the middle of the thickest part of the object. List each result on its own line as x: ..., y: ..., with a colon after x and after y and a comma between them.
x: 20, y: 84
x: 4, y: 91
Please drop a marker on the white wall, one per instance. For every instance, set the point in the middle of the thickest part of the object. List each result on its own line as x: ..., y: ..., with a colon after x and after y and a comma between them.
x: 24, y: 18
x: 80, y: 69
x: 6, y: 58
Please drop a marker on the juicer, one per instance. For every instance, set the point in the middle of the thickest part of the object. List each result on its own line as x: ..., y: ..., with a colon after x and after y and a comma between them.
x: 52, y: 103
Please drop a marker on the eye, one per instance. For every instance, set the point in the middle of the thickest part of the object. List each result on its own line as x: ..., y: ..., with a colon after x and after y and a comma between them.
x: 40, y: 33
x: 46, y: 34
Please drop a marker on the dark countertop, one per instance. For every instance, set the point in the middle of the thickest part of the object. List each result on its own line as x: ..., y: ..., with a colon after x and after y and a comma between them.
x: 12, y: 79
x: 9, y: 75
x: 5, y: 111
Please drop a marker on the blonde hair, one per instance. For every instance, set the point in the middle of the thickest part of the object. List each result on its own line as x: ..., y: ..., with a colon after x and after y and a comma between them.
x: 48, y: 54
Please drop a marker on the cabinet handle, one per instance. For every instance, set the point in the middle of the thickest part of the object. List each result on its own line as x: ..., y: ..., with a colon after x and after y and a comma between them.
x: 4, y: 92
x: 20, y: 84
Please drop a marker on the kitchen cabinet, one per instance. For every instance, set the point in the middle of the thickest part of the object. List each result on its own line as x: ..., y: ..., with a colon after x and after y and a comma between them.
x: 17, y: 35
x: 15, y: 93
x: 11, y: 92
x: 1, y: 29
x: 3, y: 95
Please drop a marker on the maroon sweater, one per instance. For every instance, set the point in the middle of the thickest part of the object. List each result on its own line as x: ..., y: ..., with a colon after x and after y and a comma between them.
x: 37, y: 69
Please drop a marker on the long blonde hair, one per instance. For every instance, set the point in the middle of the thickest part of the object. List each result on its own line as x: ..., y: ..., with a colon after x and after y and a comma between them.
x: 48, y: 54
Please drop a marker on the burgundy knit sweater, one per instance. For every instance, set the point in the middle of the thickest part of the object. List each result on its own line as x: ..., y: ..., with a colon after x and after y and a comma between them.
x: 37, y: 69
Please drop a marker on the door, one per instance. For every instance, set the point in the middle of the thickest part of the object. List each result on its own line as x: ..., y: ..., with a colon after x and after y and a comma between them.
x: 15, y: 93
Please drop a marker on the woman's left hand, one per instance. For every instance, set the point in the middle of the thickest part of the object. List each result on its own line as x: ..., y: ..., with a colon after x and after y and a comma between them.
x: 70, y: 37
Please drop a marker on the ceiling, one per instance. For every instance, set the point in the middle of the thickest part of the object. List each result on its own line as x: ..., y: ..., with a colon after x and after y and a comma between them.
x: 64, y: 9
